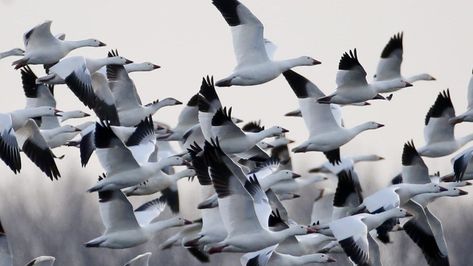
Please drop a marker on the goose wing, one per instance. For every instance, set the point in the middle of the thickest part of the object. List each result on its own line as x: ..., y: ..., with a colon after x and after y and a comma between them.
x: 116, y: 211
x: 389, y: 66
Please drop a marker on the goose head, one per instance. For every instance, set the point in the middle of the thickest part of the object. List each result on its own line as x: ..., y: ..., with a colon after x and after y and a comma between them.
x: 455, y: 192
x: 146, y: 66
x: 372, y: 125
x: 76, y: 114
x: 172, y: 161
x: 119, y: 60
x: 46, y: 111
x: 297, y: 229
x: 70, y: 129
x: 307, y: 61
x: 399, y: 213
x: 321, y: 258
x: 285, y: 175
x: 276, y: 131
x: 179, y: 221
x: 93, y: 43
x: 170, y: 101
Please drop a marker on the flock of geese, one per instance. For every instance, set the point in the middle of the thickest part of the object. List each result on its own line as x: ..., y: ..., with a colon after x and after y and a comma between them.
x: 244, y: 172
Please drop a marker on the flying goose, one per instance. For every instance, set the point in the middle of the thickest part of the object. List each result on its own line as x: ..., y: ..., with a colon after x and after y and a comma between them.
x: 241, y: 214
x: 270, y: 257
x: 425, y: 229
x: 352, y: 232
x: 157, y: 182
x: 389, y: 66
x: 348, y: 194
x: 125, y: 229
x: 42, y: 261
x: 19, y: 131
x: 12, y: 52
x: 188, y: 117
x: 352, y: 86
x: 140, y: 260
x: 325, y: 133
x: 59, y: 136
x: 467, y: 116
x: 438, y: 132
x: 65, y: 69
x: 38, y: 95
x: 41, y: 47
x: 254, y: 66
x: 346, y: 163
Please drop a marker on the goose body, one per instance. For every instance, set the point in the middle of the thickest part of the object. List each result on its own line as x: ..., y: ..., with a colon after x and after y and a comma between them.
x: 41, y: 47
x: 157, y: 182
x: 254, y: 66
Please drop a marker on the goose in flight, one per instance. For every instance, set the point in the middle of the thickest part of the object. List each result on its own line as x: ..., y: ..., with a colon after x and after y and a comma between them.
x: 346, y: 163
x: 125, y: 228
x: 467, y: 116
x: 41, y: 47
x: 140, y: 260
x: 19, y: 132
x: 325, y: 133
x: 242, y: 207
x: 389, y: 65
x: 254, y: 66
x: 438, y: 132
x: 352, y: 86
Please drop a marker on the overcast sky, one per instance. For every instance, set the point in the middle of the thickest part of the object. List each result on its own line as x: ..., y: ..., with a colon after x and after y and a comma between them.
x: 190, y: 39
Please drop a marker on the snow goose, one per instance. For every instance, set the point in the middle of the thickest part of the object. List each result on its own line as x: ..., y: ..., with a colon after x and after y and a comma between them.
x: 65, y: 69
x: 124, y: 229
x: 121, y: 167
x: 389, y: 66
x: 467, y: 116
x: 157, y: 183
x: 239, y: 208
x: 188, y: 117
x: 270, y: 257
x: 352, y: 232
x: 292, y: 185
x: 326, y: 135
x: 425, y: 229
x: 140, y: 260
x: 127, y: 100
x: 59, y: 136
x: 41, y: 47
x: 12, y: 52
x: 391, y: 197
x: 346, y: 163
x: 232, y: 139
x: 38, y: 95
x: 438, y: 132
x: 253, y: 63
x: 352, y: 86
x: 42, y: 261
x: 18, y: 131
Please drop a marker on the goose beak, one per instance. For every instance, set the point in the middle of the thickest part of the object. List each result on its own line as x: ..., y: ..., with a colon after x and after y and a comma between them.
x: 295, y: 196
x: 294, y: 175
x: 432, y: 78
x: 381, y: 158
x: 127, y: 61
x: 77, y: 129
x: 187, y: 222
x: 467, y: 183
x: 442, y: 189
x: 299, y: 149
x: 463, y: 192
x: 156, y: 66
x: 408, y: 84
x: 86, y: 114
x: 290, y: 141
x: 380, y: 125
x: 408, y: 214
x: 58, y: 112
x: 284, y: 130
x: 102, y: 44
x: 379, y: 97
x: 178, y: 102
x: 366, y: 103
x: 316, y: 62
x: 330, y: 259
x: 311, y: 230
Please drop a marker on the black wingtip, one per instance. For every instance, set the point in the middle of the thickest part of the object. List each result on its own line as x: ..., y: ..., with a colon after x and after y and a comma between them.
x: 442, y: 103
x: 222, y: 116
x: 333, y: 156
x: 253, y: 126
x: 228, y: 9
x: 349, y: 60
x: 297, y: 83
x: 394, y: 43
x: 409, y: 153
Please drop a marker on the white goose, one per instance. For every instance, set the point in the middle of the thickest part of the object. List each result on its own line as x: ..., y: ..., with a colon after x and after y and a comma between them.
x: 233, y: 140
x: 122, y: 228
x: 59, y: 136
x: 438, y: 132
x: 140, y: 260
x: 269, y: 257
x: 18, y: 131
x: 467, y: 116
x: 241, y: 217
x: 188, y: 117
x: 254, y: 66
x: 346, y: 163
x: 326, y: 135
x: 41, y: 47
x: 65, y: 69
x: 12, y: 52
x: 158, y: 182
x: 119, y: 163
x: 42, y: 261
x: 38, y: 95
x: 352, y: 232
x: 352, y: 86
x: 389, y: 66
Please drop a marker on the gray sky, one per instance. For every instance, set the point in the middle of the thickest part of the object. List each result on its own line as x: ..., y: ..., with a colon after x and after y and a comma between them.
x: 190, y: 39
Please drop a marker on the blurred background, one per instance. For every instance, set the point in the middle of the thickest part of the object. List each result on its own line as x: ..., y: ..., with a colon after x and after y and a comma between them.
x: 190, y: 39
